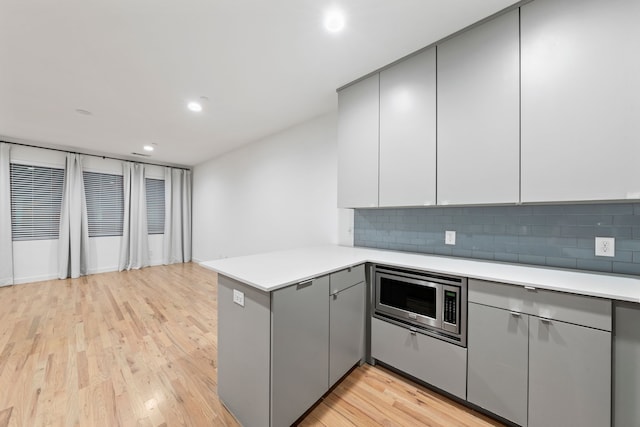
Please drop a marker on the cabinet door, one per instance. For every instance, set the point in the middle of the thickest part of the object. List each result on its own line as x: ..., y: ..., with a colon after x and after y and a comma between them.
x: 478, y: 114
x: 358, y: 107
x: 346, y: 330
x: 626, y: 351
x: 569, y: 375
x: 299, y: 349
x: 580, y: 103
x: 437, y: 362
x: 497, y: 346
x: 408, y: 132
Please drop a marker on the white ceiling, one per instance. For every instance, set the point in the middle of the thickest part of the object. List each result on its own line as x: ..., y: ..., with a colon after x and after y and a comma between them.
x: 134, y: 64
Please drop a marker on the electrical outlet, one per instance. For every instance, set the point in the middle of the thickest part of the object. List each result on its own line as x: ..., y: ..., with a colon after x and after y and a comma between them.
x: 238, y: 297
x: 449, y: 237
x: 605, y: 246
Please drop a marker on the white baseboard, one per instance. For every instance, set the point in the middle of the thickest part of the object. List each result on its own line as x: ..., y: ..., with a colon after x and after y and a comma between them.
x: 31, y: 279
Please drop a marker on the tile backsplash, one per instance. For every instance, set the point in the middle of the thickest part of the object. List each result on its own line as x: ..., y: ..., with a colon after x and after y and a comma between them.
x: 548, y: 235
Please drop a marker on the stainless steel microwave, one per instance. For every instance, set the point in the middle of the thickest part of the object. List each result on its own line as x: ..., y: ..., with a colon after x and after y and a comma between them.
x: 432, y: 303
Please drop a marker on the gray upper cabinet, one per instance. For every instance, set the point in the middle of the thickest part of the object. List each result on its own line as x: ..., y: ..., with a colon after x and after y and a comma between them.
x: 408, y: 132
x: 580, y: 103
x: 358, y: 107
x: 478, y: 114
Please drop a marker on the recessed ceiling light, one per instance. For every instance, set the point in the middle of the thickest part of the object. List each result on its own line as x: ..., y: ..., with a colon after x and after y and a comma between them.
x: 334, y: 20
x: 148, y: 148
x: 196, y: 107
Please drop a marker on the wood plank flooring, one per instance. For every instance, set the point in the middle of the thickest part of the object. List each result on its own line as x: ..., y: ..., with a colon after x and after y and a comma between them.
x: 139, y: 348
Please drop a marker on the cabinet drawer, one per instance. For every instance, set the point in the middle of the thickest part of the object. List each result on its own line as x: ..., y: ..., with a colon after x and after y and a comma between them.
x: 348, y: 277
x: 501, y: 295
x: 578, y: 309
x: 431, y: 360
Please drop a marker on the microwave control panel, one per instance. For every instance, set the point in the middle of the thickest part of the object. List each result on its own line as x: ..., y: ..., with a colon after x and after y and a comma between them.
x: 450, y: 307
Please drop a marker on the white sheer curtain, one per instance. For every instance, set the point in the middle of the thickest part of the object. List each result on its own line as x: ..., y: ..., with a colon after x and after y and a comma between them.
x: 134, y: 249
x: 177, y: 217
x: 6, y: 244
x: 73, y: 242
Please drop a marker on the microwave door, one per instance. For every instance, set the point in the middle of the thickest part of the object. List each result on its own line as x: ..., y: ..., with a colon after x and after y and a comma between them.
x: 409, y: 299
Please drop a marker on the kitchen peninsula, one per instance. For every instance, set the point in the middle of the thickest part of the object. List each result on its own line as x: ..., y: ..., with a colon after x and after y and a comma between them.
x: 276, y: 347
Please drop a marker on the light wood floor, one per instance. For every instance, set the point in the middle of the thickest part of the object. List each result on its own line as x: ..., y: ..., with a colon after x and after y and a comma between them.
x: 139, y: 349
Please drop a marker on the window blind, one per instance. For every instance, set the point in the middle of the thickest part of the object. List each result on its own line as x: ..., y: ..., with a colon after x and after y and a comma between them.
x: 36, y: 199
x: 105, y: 203
x: 155, y: 205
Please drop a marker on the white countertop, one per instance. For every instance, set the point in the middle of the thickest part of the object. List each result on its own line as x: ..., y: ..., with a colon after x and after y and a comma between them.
x: 274, y: 270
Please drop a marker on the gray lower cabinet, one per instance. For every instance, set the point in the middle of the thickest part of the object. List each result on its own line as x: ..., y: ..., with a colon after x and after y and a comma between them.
x: 299, y: 349
x: 626, y: 343
x: 569, y: 375
x: 279, y: 351
x: 346, y: 330
x: 439, y: 363
x: 539, y: 358
x: 498, y: 345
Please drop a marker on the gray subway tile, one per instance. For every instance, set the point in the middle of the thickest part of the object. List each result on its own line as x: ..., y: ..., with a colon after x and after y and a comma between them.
x: 545, y: 230
x: 561, y: 262
x: 482, y: 219
x: 586, y: 243
x: 563, y: 242
x: 464, y: 253
x: 621, y: 232
x: 440, y: 250
x: 582, y: 253
x: 628, y: 245
x: 626, y: 268
x: 578, y: 231
x: 531, y: 259
x: 471, y: 228
x: 632, y: 220
x: 482, y: 255
x: 505, y: 257
x: 518, y: 210
x: 493, y: 229
x: 532, y: 220
x: 594, y: 265
x: 548, y: 209
x: 601, y: 208
x: 564, y: 234
x: 598, y: 220
x: 505, y: 219
x: 623, y: 256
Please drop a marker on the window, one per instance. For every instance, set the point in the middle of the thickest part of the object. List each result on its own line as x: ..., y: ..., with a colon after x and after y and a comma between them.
x: 36, y: 199
x: 105, y: 203
x: 155, y: 205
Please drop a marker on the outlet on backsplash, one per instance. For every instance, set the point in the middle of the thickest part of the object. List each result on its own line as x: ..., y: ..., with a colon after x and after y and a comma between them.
x: 449, y: 237
x: 605, y: 246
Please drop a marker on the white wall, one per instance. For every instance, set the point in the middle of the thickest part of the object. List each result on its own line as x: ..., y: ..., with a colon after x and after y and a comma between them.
x: 36, y: 260
x: 276, y: 193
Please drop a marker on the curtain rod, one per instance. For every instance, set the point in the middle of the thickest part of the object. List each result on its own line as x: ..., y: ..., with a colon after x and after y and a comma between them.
x: 94, y: 155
